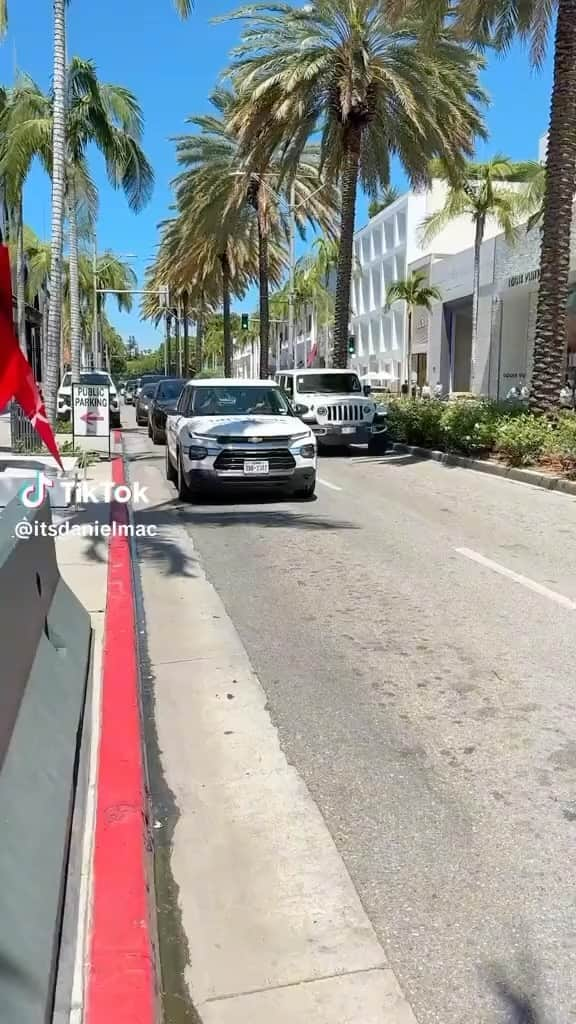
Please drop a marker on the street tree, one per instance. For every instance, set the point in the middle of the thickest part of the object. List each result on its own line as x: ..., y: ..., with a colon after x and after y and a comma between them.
x: 388, y: 196
x: 531, y: 22
x: 212, y: 159
x: 416, y: 293
x: 371, y: 88
x: 480, y: 192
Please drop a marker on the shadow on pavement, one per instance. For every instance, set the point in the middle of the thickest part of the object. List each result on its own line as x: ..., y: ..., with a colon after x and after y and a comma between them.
x: 518, y: 1006
x: 221, y: 514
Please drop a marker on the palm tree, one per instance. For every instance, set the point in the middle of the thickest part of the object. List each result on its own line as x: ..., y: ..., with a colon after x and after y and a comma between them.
x: 108, y: 116
x: 389, y: 195
x: 531, y: 21
x: 214, y: 162
x: 416, y: 293
x: 370, y: 88
x: 479, y: 191
x: 21, y: 103
x: 52, y: 362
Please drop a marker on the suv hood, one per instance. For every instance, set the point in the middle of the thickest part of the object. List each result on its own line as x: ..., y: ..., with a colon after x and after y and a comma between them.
x: 246, y: 426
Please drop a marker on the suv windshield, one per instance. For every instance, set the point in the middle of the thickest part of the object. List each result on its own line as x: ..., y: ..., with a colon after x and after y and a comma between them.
x: 169, y: 389
x: 239, y: 401
x: 329, y: 384
x: 94, y: 378
x: 146, y: 390
x: 87, y: 378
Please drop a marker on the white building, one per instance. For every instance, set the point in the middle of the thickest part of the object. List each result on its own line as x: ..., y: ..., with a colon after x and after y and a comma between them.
x: 387, y: 249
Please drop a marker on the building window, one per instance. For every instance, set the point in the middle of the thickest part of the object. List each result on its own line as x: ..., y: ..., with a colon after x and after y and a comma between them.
x: 309, y: 321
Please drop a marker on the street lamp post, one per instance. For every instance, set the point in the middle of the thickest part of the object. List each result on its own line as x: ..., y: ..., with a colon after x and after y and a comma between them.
x: 95, y: 317
x: 96, y: 353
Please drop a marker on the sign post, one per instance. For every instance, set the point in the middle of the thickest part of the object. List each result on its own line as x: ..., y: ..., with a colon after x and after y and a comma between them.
x: 91, y: 413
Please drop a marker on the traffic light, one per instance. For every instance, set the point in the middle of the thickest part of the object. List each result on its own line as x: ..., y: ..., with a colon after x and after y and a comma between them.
x: 245, y: 321
x: 351, y: 345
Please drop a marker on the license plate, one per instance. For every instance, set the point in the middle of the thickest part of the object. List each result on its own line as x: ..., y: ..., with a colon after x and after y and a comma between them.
x: 348, y: 430
x: 256, y: 468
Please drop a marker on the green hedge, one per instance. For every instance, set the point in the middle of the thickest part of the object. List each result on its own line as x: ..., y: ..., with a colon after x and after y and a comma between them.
x: 480, y: 427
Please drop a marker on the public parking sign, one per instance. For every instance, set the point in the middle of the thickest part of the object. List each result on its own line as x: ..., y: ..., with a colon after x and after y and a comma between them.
x: 91, y: 411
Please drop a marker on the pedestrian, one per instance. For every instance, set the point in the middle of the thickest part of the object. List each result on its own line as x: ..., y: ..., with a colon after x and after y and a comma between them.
x: 404, y: 389
x: 567, y: 395
x: 426, y: 390
x: 438, y: 390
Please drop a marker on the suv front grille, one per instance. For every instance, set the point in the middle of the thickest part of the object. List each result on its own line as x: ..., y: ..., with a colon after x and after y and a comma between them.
x: 226, y: 439
x: 345, y: 413
x: 232, y: 461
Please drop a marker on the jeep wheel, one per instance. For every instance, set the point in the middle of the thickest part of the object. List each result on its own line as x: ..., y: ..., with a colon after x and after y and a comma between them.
x: 378, y: 445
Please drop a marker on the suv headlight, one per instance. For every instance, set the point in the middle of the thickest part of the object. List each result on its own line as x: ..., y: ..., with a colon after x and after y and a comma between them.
x: 308, y: 451
x: 322, y: 410
x: 197, y: 452
x: 368, y: 409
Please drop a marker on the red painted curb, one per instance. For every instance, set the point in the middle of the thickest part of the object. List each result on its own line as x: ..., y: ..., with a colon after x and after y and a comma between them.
x: 121, y: 977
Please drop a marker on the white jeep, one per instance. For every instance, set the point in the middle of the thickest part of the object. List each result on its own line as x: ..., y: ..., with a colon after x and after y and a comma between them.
x: 337, y: 407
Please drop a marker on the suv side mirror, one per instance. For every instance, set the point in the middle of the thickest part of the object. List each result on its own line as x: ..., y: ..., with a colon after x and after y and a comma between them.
x: 299, y: 409
x: 367, y: 390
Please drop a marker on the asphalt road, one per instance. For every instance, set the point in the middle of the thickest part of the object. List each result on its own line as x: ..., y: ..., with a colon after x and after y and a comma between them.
x: 413, y: 630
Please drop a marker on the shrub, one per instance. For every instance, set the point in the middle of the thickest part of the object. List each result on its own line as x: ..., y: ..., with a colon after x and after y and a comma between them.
x: 469, y: 427
x: 416, y: 422
x: 563, y: 442
x: 521, y: 440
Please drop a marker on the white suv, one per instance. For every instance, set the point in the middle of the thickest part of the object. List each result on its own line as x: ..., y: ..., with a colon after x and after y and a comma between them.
x: 238, y: 432
x: 337, y: 407
x: 88, y: 377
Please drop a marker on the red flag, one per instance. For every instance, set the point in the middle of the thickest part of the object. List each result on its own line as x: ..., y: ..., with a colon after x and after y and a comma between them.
x: 16, y: 377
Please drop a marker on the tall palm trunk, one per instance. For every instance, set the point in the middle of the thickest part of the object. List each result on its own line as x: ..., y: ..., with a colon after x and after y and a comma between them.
x: 200, y: 334
x: 551, y: 318
x: 58, y: 159
x: 479, y: 235
x: 409, y: 350
x: 185, y: 326
x: 264, y: 298
x: 75, y: 323
x: 21, y: 280
x: 345, y: 254
x: 225, y: 264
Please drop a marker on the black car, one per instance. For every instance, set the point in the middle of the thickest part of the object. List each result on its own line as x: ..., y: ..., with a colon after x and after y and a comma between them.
x: 142, y: 402
x: 164, y: 400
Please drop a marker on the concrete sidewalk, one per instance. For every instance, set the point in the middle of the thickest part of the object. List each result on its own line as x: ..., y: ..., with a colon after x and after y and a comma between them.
x: 83, y: 564
x: 258, y: 918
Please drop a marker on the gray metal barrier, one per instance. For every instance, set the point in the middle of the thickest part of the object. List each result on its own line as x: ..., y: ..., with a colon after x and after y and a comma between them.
x: 45, y: 641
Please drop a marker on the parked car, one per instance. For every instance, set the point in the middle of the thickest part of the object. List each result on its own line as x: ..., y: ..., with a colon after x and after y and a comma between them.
x: 131, y: 389
x: 238, y: 433
x: 340, y: 411
x: 149, y: 378
x: 143, y: 400
x: 88, y: 377
x: 164, y: 401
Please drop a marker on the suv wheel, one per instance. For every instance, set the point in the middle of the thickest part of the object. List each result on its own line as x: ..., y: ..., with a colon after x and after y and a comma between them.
x: 171, y: 473
x: 185, y: 492
x: 308, y: 491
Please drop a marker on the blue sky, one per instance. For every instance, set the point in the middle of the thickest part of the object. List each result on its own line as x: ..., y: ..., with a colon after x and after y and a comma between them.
x: 171, y: 66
